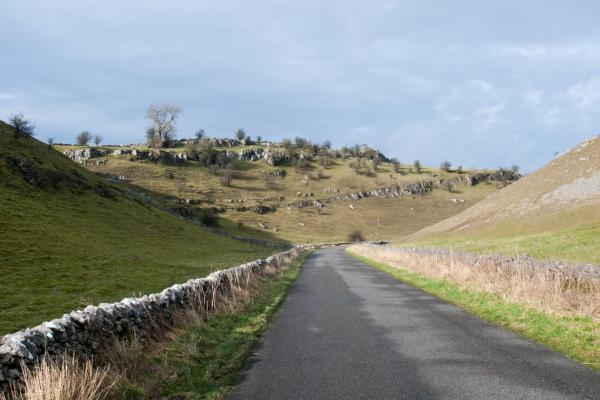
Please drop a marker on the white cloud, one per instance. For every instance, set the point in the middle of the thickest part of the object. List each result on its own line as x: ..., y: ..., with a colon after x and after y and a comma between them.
x: 590, y: 52
x: 586, y: 94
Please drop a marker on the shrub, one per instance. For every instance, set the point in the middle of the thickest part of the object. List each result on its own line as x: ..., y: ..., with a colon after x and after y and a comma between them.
x: 356, y: 236
x: 208, y: 217
x: 22, y: 127
x: 227, y: 176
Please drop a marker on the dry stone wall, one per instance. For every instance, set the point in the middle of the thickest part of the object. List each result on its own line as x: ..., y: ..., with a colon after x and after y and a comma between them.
x: 83, y: 332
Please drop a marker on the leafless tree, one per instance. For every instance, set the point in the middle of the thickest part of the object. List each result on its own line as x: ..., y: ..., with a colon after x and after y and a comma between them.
x: 397, y: 166
x: 445, y: 166
x: 163, y: 120
x: 240, y: 134
x: 21, y: 126
x: 83, y: 138
x: 97, y: 140
x: 200, y: 134
x: 418, y: 167
x: 50, y: 142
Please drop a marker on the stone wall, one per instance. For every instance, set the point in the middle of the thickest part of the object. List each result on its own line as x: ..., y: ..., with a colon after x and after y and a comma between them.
x: 84, y: 332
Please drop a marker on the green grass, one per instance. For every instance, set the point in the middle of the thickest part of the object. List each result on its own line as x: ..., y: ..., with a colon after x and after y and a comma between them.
x: 204, y: 360
x: 576, y: 337
x: 63, y: 246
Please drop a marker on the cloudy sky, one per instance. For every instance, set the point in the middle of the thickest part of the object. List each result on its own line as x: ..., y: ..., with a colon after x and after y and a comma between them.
x: 481, y: 83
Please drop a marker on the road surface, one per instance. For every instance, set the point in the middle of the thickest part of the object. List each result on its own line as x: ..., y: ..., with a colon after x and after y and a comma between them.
x: 348, y: 331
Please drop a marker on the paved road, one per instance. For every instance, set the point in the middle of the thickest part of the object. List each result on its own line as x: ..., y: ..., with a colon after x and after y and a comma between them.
x: 347, y: 331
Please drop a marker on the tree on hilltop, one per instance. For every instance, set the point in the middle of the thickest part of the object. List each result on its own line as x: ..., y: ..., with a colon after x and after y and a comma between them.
x: 97, y: 140
x: 163, y: 120
x: 83, y: 139
x: 22, y: 127
x: 418, y: 168
x: 445, y: 166
x: 240, y: 134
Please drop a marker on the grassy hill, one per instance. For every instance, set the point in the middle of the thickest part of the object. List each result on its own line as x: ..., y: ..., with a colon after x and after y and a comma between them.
x: 69, y: 238
x: 278, y: 188
x: 554, y: 213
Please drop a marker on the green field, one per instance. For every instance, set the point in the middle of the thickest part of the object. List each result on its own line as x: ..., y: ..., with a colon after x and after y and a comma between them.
x: 63, y: 245
x: 203, y: 360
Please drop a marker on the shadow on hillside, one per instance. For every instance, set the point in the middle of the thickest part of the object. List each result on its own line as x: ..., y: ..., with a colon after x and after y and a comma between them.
x: 226, y: 227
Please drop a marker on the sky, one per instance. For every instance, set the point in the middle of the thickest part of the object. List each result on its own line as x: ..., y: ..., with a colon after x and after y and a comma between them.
x: 479, y: 83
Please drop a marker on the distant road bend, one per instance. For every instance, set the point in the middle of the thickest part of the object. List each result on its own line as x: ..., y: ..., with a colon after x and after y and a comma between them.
x: 348, y: 331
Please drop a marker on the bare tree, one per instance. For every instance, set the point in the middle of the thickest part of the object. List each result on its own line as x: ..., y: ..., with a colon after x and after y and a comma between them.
x: 418, y: 167
x: 445, y: 166
x: 83, y: 138
x: 200, y: 134
x: 21, y: 126
x: 258, y: 139
x: 97, y: 140
x: 376, y: 161
x: 163, y: 120
x: 50, y: 142
x: 397, y: 166
x: 240, y: 134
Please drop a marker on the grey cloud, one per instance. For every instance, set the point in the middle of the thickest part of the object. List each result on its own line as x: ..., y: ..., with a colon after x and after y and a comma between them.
x: 483, y: 83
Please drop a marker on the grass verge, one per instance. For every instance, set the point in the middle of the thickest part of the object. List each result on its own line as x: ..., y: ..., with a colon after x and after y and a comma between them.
x: 204, y: 359
x: 576, y: 337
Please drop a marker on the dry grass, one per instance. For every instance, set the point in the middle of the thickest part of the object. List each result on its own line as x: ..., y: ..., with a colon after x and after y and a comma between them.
x: 551, y: 214
x: 64, y: 379
x: 551, y: 291
x: 379, y: 218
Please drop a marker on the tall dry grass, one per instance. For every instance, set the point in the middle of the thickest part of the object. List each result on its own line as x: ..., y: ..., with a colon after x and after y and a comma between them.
x: 66, y: 378
x: 520, y: 281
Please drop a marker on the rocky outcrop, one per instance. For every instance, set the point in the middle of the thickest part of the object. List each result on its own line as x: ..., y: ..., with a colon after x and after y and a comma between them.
x: 121, y: 152
x: 251, y: 154
x: 273, y: 157
x: 84, y: 154
x: 84, y: 332
x: 501, y: 175
x: 140, y: 154
x: 413, y: 189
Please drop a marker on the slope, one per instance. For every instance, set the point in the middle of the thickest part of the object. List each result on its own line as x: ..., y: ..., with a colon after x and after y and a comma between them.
x: 554, y: 213
x: 68, y: 238
x: 293, y: 201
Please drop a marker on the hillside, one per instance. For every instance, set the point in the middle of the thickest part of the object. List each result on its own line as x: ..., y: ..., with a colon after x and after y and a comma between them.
x: 302, y: 193
x: 554, y: 213
x: 69, y: 238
